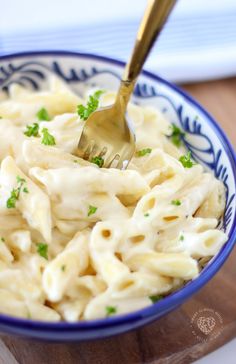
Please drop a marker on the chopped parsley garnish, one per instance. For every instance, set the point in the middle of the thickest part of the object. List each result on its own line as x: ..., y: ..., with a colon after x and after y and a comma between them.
x: 11, y: 202
x: 42, y: 249
x: 3, y: 240
x: 15, y: 193
x: 85, y: 111
x: 176, y: 135
x: 111, y: 310
x: 92, y: 210
x: 1, y: 117
x: 63, y: 268
x: 32, y: 130
x: 20, y: 180
x: 143, y: 152
x: 156, y: 298
x: 47, y: 139
x: 99, y: 161
x: 146, y: 215
x: 176, y: 202
x: 181, y: 238
x: 186, y: 160
x: 42, y: 115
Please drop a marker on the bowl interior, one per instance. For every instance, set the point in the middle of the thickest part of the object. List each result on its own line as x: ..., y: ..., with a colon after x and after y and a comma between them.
x: 204, y: 138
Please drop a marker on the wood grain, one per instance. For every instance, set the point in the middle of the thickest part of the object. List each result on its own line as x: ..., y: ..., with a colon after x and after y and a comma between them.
x: 169, y: 340
x: 6, y: 356
x: 219, y: 98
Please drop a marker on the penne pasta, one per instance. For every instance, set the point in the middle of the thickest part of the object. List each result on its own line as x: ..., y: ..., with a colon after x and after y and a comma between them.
x: 81, y: 242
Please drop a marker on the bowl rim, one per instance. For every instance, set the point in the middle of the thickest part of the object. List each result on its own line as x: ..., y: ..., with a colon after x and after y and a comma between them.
x: 174, y: 299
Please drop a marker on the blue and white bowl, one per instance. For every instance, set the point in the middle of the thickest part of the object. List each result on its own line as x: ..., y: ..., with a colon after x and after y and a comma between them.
x: 204, y: 138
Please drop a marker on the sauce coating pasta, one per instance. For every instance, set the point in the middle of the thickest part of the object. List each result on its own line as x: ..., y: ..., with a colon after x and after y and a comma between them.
x: 79, y: 242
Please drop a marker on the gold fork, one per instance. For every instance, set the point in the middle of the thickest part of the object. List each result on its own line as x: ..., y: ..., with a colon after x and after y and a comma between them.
x: 107, y: 135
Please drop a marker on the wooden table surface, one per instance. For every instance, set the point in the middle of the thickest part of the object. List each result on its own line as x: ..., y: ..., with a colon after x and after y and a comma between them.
x: 169, y: 340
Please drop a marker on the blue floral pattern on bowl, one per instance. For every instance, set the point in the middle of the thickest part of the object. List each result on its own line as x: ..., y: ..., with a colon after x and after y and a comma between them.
x: 203, y: 138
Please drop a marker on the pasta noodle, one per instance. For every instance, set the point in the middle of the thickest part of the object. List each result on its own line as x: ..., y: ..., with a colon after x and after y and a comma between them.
x: 79, y: 242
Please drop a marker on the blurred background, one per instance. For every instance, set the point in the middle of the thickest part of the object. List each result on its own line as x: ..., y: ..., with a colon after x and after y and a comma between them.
x: 199, y: 42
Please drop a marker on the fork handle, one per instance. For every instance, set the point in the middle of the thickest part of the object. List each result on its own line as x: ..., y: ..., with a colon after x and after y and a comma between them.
x: 152, y: 23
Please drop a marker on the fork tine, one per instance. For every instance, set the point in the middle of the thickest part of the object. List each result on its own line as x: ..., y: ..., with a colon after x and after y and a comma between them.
x: 93, y: 151
x: 84, y: 140
x: 124, y: 160
x: 81, y: 152
x: 87, y: 151
x: 111, y: 159
x: 120, y: 163
x: 103, y: 152
x: 83, y: 145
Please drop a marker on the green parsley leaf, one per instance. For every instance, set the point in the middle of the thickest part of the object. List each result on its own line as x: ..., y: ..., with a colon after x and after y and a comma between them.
x: 25, y: 190
x: 47, y: 139
x: 15, y: 193
x: 63, y: 268
x: 99, y: 161
x: 20, y: 180
x: 176, y: 202
x: 176, y: 135
x: 143, y: 152
x: 42, y: 115
x: 32, y: 130
x: 92, y: 210
x: 11, y: 202
x: 186, y: 160
x: 111, y: 310
x: 147, y: 214
x: 42, y: 249
x: 156, y: 298
x: 181, y: 238
x: 85, y: 111
x: 2, y: 239
x: 97, y: 94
